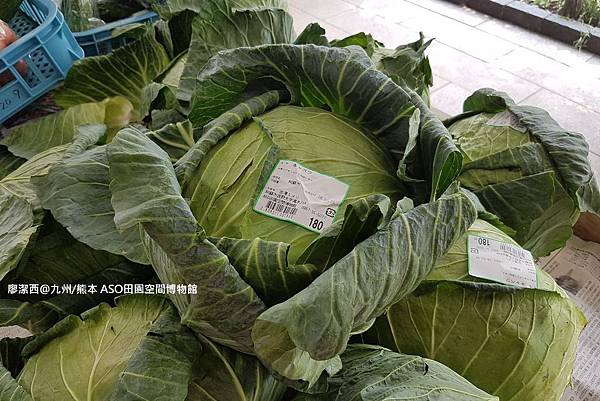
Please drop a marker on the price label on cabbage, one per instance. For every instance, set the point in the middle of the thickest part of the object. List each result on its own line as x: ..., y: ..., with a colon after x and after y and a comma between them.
x: 302, y: 196
x: 501, y: 262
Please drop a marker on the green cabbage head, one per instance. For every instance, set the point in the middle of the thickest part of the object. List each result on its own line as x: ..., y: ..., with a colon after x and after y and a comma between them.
x: 525, y: 169
x: 221, y: 188
x: 270, y: 287
x: 516, y: 344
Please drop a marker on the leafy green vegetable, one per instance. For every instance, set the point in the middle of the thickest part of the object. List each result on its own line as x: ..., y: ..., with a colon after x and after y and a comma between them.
x: 62, y: 128
x: 229, y: 24
x: 235, y: 166
x: 10, y: 389
x: 10, y: 353
x: 126, y: 72
x: 55, y: 259
x: 19, y: 181
x: 175, y: 138
x: 314, y: 326
x: 518, y: 344
x: 80, y: 15
x: 534, y: 175
x: 117, y: 340
x: 36, y: 318
x: 407, y: 64
x: 153, y: 175
x: 8, y: 162
x: 112, y: 334
x: 176, y: 246
x: 162, y: 365
x: 135, y: 350
x: 346, y: 85
x: 222, y: 374
x: 17, y: 226
x: 52, y: 259
x: 377, y: 374
x: 181, y: 252
x: 312, y: 34
x: 20, y: 209
x: 76, y: 191
x: 38, y: 313
x: 114, y: 10
x: 56, y: 129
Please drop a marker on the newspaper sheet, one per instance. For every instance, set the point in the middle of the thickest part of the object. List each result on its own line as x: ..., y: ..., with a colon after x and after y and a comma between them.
x: 576, y: 268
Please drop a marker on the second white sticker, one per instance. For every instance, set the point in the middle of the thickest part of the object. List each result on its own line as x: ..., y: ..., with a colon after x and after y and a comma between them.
x: 501, y: 262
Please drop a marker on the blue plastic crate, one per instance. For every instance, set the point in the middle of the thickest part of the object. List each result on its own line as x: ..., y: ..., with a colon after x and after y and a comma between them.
x: 100, y: 40
x: 48, y: 48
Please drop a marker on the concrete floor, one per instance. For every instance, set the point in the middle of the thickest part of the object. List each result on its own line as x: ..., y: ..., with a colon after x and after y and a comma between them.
x: 13, y: 331
x: 473, y: 50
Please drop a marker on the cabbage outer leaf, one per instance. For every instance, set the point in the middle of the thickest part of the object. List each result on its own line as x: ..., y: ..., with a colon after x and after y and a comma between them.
x: 10, y: 390
x: 8, y: 162
x: 88, y: 369
x: 76, y: 191
x: 126, y: 72
x: 377, y: 374
x: 20, y: 209
x: 229, y: 24
x: 543, y: 176
x: 161, y: 367
x: 342, y: 80
x: 303, y: 336
x: 62, y: 128
x: 146, y: 194
x: 222, y: 374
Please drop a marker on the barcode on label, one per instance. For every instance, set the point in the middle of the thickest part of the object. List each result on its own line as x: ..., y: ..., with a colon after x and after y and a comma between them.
x: 280, y: 208
x: 301, y: 196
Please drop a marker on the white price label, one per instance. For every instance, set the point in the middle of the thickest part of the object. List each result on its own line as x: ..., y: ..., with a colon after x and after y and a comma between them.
x: 302, y: 196
x: 501, y: 262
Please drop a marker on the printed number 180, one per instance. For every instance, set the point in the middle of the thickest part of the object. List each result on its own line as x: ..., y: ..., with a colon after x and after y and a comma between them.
x: 316, y: 224
x: 483, y: 241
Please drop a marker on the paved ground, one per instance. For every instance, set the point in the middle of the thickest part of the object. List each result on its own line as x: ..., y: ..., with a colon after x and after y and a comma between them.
x: 473, y: 50
x: 13, y: 331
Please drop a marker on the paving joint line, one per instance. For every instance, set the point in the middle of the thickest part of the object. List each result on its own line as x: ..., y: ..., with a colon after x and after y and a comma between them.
x: 331, y: 16
x: 448, y: 82
x: 591, y: 55
x: 449, y: 17
x: 477, y: 26
x: 541, y: 88
x: 550, y: 90
x: 489, y: 18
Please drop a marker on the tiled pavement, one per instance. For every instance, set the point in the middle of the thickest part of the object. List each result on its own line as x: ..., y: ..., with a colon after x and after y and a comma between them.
x: 473, y: 50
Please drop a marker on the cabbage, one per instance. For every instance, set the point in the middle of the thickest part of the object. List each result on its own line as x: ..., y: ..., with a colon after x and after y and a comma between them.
x: 319, y: 140
x: 518, y: 344
x: 526, y: 169
x: 163, y: 187
x: 268, y: 287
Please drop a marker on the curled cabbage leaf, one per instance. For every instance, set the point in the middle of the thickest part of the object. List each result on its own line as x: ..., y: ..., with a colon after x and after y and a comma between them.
x: 525, y: 168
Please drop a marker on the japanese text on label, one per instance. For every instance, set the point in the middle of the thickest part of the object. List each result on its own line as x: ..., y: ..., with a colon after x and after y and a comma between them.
x: 501, y: 262
x: 297, y: 194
